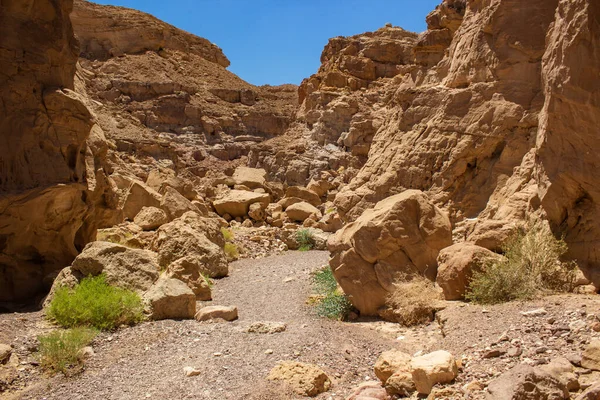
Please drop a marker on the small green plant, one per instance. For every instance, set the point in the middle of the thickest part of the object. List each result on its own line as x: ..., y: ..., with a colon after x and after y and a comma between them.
x: 305, y: 239
x: 331, y: 302
x: 231, y: 251
x: 414, y: 300
x: 227, y: 234
x: 94, y: 303
x: 60, y: 349
x: 208, y: 280
x: 531, y: 266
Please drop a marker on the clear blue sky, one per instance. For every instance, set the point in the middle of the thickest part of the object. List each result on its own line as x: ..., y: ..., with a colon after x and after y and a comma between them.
x: 280, y: 41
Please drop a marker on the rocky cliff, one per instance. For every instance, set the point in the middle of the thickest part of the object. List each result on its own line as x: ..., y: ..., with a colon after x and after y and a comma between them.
x: 52, y: 188
x: 163, y: 93
x: 492, y: 112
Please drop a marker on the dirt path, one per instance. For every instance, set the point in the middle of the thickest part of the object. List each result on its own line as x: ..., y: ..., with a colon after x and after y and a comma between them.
x: 147, y: 361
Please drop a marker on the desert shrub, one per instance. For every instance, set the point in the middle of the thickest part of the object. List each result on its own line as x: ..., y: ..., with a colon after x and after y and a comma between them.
x: 227, y: 234
x: 531, y: 266
x: 94, y: 303
x: 60, y: 349
x: 330, y: 302
x: 231, y: 251
x: 305, y: 239
x: 208, y: 280
x: 414, y: 300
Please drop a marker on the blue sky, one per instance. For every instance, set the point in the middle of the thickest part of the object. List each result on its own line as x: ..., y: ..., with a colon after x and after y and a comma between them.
x: 280, y: 41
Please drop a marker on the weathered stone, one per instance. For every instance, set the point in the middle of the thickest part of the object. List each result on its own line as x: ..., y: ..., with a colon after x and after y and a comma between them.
x: 562, y: 369
x: 150, y: 218
x: 304, y: 194
x: 227, y: 313
x: 5, y: 352
x: 389, y: 362
x: 190, y: 272
x: 301, y: 211
x: 251, y: 177
x: 591, y: 356
x: 369, y: 391
x: 267, y: 327
x: 174, y: 204
x: 171, y: 299
x: 526, y: 382
x: 430, y: 369
x: 124, y: 267
x: 256, y: 212
x: 305, y: 379
x: 237, y: 202
x: 456, y: 265
x: 402, y: 234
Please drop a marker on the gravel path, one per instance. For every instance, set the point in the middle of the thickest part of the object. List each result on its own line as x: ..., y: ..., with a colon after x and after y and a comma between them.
x: 147, y: 361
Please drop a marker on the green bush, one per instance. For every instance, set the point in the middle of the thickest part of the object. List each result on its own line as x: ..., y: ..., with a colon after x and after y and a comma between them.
x: 60, y: 350
x: 231, y: 251
x: 305, y: 239
x: 331, y: 302
x: 227, y: 234
x: 531, y: 267
x: 94, y: 303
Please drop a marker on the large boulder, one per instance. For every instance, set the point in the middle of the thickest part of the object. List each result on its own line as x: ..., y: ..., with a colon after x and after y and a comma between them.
x: 305, y: 194
x: 301, y: 211
x: 150, y: 218
x: 525, y: 382
x: 124, y: 267
x: 226, y: 313
x: 237, y: 202
x: 137, y: 196
x: 194, y: 238
x: 591, y: 356
x: 305, y: 379
x: 252, y: 178
x: 456, y: 265
x: 190, y: 272
x: 170, y: 299
x: 402, y: 234
x: 175, y: 205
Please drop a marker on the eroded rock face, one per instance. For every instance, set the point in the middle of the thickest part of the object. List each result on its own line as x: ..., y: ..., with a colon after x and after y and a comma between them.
x: 402, y: 234
x: 51, y: 183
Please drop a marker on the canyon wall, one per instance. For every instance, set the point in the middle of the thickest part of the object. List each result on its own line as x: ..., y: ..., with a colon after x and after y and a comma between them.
x: 51, y: 189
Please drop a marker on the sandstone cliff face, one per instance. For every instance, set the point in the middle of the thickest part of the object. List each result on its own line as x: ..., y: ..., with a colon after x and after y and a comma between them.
x: 164, y: 94
x: 495, y: 119
x: 50, y: 183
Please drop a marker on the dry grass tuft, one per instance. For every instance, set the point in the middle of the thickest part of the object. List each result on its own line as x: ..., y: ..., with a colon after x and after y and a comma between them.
x: 414, y: 301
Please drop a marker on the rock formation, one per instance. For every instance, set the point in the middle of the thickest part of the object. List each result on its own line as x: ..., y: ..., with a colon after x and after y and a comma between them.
x: 492, y: 112
x: 53, y: 191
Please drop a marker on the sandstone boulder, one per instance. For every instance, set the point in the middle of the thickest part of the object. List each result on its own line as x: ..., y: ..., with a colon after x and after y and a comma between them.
x: 430, y: 369
x: 591, y: 356
x: 253, y: 178
x: 562, y: 369
x: 217, y: 312
x: 160, y: 179
x: 256, y: 212
x: 137, y: 196
x: 526, y: 382
x: 331, y: 222
x: 175, y: 205
x: 369, y: 391
x: 237, y: 202
x: 190, y: 272
x: 194, y: 238
x: 150, y: 218
x: 5, y: 353
x: 456, y: 264
x: 124, y: 267
x: 402, y: 234
x: 304, y: 194
x: 301, y: 211
x: 170, y: 299
x: 389, y: 362
x: 305, y: 379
